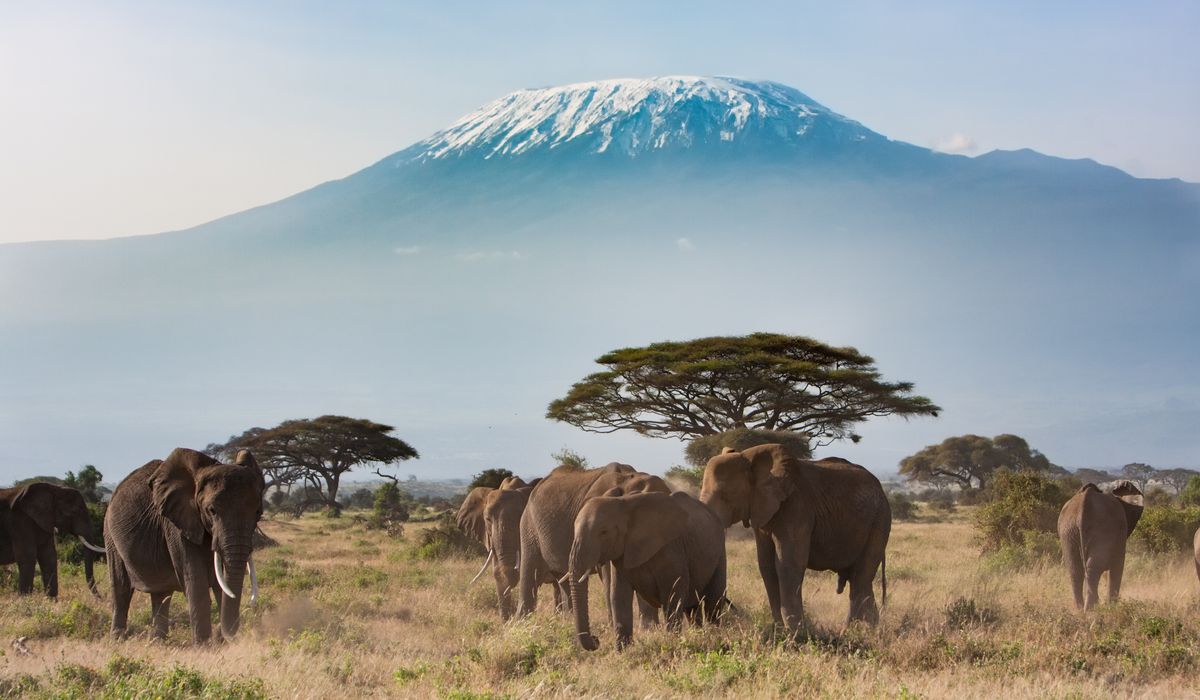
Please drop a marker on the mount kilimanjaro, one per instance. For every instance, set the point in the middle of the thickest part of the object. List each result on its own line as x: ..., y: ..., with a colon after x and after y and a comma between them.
x: 457, y: 286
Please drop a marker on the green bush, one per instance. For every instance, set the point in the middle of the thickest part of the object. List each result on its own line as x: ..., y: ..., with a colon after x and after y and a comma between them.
x: 1166, y: 530
x: 903, y: 507
x: 1190, y: 496
x: 1017, y: 502
x: 965, y: 612
x: 688, y: 476
x: 444, y: 540
x: 1157, y: 497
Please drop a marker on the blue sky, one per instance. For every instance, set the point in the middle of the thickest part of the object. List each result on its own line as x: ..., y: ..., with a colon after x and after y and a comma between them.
x: 138, y: 117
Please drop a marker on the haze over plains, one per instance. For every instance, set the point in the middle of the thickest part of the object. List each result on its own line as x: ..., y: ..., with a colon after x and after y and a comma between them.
x: 458, y: 324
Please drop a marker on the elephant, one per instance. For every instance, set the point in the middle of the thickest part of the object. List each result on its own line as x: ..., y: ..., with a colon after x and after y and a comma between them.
x: 493, y: 517
x: 669, y: 549
x: 1092, y: 529
x: 548, y: 526
x: 824, y: 515
x: 185, y: 523
x: 29, y: 516
x: 1196, y: 547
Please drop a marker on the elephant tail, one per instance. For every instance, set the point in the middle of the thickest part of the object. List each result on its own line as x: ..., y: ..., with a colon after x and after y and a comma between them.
x: 883, y: 578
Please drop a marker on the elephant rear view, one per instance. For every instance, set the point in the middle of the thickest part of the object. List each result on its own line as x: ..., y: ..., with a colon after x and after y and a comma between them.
x: 184, y: 524
x: 1092, y: 529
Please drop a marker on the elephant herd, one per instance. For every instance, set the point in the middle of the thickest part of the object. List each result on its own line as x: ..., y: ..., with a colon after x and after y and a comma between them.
x: 667, y: 550
x: 185, y: 523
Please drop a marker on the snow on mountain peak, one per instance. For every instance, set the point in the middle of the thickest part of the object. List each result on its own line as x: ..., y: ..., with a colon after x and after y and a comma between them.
x: 632, y: 116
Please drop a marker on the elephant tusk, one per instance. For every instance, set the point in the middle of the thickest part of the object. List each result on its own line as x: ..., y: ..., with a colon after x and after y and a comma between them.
x: 582, y: 578
x: 89, y: 545
x: 221, y: 575
x: 253, y: 582
x: 565, y: 578
x: 484, y: 567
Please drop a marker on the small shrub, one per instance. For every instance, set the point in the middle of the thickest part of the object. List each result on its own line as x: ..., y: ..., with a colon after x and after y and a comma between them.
x: 685, y: 477
x: 1036, y: 548
x: 1167, y: 530
x: 445, y: 540
x: 965, y: 612
x: 1018, y: 501
x: 1157, y: 496
x: 903, y: 507
x: 1190, y: 496
x: 389, y: 509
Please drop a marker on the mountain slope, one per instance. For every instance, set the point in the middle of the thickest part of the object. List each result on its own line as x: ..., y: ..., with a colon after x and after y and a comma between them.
x: 457, y: 286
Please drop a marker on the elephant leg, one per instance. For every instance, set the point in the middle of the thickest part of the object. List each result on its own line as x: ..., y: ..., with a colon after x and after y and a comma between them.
x: 26, y: 554
x: 1092, y: 573
x: 791, y: 562
x: 1075, y: 567
x: 1114, y: 579
x: 197, y: 584
x: 766, y: 567
x: 47, y: 559
x: 527, y: 600
x: 160, y: 607
x: 122, y: 594
x: 647, y: 613
x: 862, y: 597
x: 713, y: 600
x: 622, y: 607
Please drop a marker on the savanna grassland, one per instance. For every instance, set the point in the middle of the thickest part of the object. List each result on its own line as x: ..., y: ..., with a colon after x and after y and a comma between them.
x: 350, y: 612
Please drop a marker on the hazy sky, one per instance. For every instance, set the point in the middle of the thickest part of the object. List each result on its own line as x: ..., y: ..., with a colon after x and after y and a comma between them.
x: 124, y: 118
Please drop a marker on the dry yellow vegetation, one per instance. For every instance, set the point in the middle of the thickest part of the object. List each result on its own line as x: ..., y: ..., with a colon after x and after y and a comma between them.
x: 351, y: 612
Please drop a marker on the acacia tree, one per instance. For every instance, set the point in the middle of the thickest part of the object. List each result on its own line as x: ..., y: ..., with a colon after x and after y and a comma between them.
x: 1094, y: 476
x: 1139, y: 473
x: 704, y: 448
x: 1177, y: 479
x: 317, y: 450
x: 970, y: 460
x: 763, y: 381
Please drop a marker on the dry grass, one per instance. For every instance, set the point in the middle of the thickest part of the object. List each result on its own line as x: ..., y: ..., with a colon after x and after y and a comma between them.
x: 348, y: 612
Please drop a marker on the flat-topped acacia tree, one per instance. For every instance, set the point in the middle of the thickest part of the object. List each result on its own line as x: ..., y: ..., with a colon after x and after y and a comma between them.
x: 317, y: 450
x: 762, y: 381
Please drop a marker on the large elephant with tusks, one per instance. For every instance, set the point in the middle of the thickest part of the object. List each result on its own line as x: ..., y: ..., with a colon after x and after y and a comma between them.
x: 184, y: 523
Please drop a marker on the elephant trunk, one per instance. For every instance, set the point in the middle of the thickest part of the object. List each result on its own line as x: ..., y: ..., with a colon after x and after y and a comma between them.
x: 233, y: 558
x: 581, y: 564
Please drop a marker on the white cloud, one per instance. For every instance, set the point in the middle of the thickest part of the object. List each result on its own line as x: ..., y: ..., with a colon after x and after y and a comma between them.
x: 684, y: 244
x: 956, y: 143
x: 407, y: 250
x: 485, y: 255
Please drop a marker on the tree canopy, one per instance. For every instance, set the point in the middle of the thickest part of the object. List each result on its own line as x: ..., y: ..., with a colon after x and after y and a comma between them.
x: 1094, y: 476
x: 763, y: 381
x: 1177, y: 479
x: 87, y: 482
x: 704, y: 448
x: 492, y: 478
x: 1139, y: 473
x: 316, y: 450
x: 970, y: 460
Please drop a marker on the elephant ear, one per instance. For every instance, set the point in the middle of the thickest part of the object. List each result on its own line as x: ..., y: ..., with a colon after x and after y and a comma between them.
x: 1131, y: 502
x: 37, y: 501
x: 246, y: 459
x: 173, y: 489
x: 654, y: 522
x: 470, y: 514
x: 770, y: 467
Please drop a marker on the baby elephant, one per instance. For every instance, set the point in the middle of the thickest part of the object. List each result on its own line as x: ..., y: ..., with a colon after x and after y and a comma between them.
x: 1092, y: 529
x: 668, y: 548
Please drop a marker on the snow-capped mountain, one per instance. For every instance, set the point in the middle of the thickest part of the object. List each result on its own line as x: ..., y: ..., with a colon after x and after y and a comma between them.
x: 631, y: 117
x: 457, y: 286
